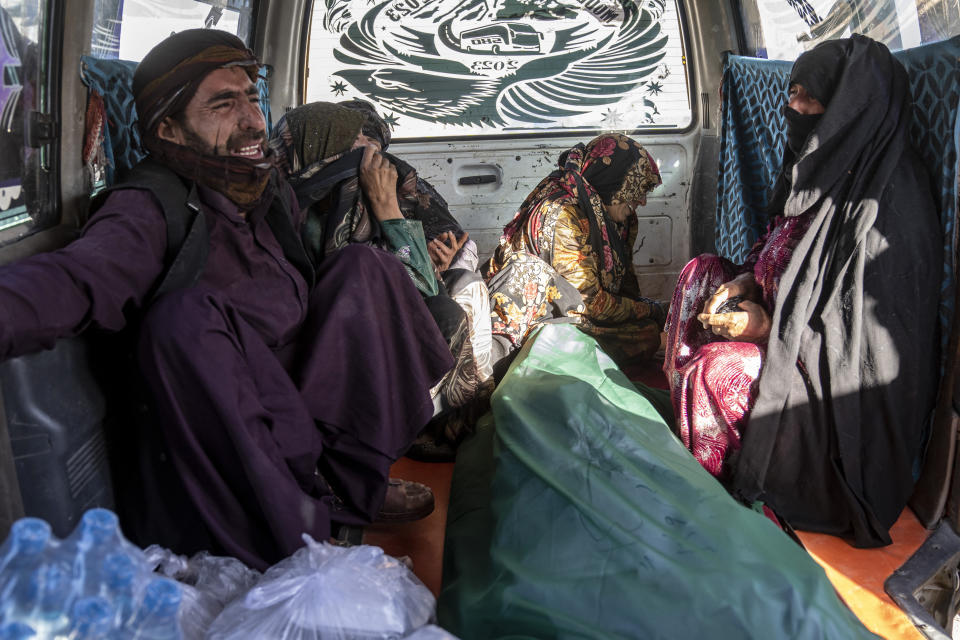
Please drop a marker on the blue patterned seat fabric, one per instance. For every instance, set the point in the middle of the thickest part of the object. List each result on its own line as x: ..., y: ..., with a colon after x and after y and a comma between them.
x: 751, y: 148
x: 752, y: 138
x: 263, y: 85
x: 113, y: 81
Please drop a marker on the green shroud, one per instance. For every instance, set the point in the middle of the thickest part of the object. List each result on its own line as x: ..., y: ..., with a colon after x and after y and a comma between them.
x: 580, y: 515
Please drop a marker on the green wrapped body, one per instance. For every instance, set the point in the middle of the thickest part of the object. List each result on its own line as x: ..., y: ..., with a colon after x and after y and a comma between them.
x: 576, y: 513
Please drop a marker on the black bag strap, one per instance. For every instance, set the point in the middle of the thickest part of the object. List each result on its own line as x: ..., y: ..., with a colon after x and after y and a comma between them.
x: 190, y: 257
x: 187, y: 237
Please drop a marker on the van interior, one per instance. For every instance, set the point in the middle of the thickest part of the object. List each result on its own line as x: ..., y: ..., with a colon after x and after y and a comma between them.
x: 482, y: 96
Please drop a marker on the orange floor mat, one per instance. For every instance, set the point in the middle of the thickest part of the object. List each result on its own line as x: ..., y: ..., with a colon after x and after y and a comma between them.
x: 858, y: 574
x: 421, y: 540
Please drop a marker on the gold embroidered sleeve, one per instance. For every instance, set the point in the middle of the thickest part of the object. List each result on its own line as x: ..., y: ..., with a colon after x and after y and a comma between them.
x: 574, y: 259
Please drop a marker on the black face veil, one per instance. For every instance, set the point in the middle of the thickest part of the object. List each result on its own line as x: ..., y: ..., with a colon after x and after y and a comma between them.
x: 816, y: 71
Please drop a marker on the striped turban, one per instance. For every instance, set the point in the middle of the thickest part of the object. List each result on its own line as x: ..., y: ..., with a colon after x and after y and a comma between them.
x: 169, y: 75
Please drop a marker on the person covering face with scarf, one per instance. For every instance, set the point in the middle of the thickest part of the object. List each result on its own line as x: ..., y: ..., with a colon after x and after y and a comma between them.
x: 317, y: 146
x: 321, y: 146
x: 569, y: 250
x: 449, y: 245
x: 804, y: 377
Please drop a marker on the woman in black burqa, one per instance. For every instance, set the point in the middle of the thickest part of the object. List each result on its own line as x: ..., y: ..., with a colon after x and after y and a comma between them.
x: 851, y: 368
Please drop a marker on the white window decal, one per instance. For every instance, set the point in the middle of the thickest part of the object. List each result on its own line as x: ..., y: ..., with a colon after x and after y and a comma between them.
x: 465, y: 67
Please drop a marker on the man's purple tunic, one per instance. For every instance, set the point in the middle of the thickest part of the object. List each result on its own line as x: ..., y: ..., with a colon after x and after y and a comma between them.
x: 272, y: 398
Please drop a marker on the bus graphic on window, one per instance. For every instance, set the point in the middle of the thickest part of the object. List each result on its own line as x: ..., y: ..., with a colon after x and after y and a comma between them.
x: 502, y: 37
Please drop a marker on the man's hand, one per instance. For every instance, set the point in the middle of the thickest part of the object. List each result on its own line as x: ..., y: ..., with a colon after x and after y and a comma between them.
x: 750, y: 325
x: 444, y: 247
x: 743, y: 285
x: 378, y: 179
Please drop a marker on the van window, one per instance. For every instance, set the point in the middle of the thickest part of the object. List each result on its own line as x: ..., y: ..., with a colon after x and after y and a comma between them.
x: 26, y: 122
x: 461, y: 68
x: 783, y: 29
x: 128, y: 29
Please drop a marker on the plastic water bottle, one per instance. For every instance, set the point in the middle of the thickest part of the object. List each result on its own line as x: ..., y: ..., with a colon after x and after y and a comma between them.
x: 16, y: 631
x: 156, y: 618
x: 52, y: 590
x: 120, y: 576
x: 96, y: 536
x: 92, y: 618
x: 21, y: 555
x: 27, y: 536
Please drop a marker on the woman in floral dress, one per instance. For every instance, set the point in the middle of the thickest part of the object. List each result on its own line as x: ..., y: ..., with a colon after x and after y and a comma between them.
x: 568, y: 253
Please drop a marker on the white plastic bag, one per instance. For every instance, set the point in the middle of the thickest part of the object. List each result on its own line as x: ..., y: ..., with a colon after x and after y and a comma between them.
x: 208, y: 582
x: 324, y: 592
x: 222, y: 578
x: 166, y: 562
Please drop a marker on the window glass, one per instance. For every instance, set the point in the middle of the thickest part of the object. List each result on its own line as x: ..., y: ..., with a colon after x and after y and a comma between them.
x: 479, y: 67
x: 23, y: 98
x: 128, y: 29
x: 783, y: 29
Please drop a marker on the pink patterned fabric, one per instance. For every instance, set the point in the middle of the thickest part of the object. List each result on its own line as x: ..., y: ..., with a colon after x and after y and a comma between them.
x: 713, y: 381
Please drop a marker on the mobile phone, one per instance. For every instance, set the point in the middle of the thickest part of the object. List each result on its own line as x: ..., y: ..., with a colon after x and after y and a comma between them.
x: 730, y: 305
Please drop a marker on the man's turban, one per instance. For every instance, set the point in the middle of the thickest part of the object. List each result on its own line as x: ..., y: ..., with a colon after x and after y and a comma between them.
x: 169, y: 75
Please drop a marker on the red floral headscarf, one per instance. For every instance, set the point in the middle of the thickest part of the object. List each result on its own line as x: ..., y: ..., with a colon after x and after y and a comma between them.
x: 610, y: 168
